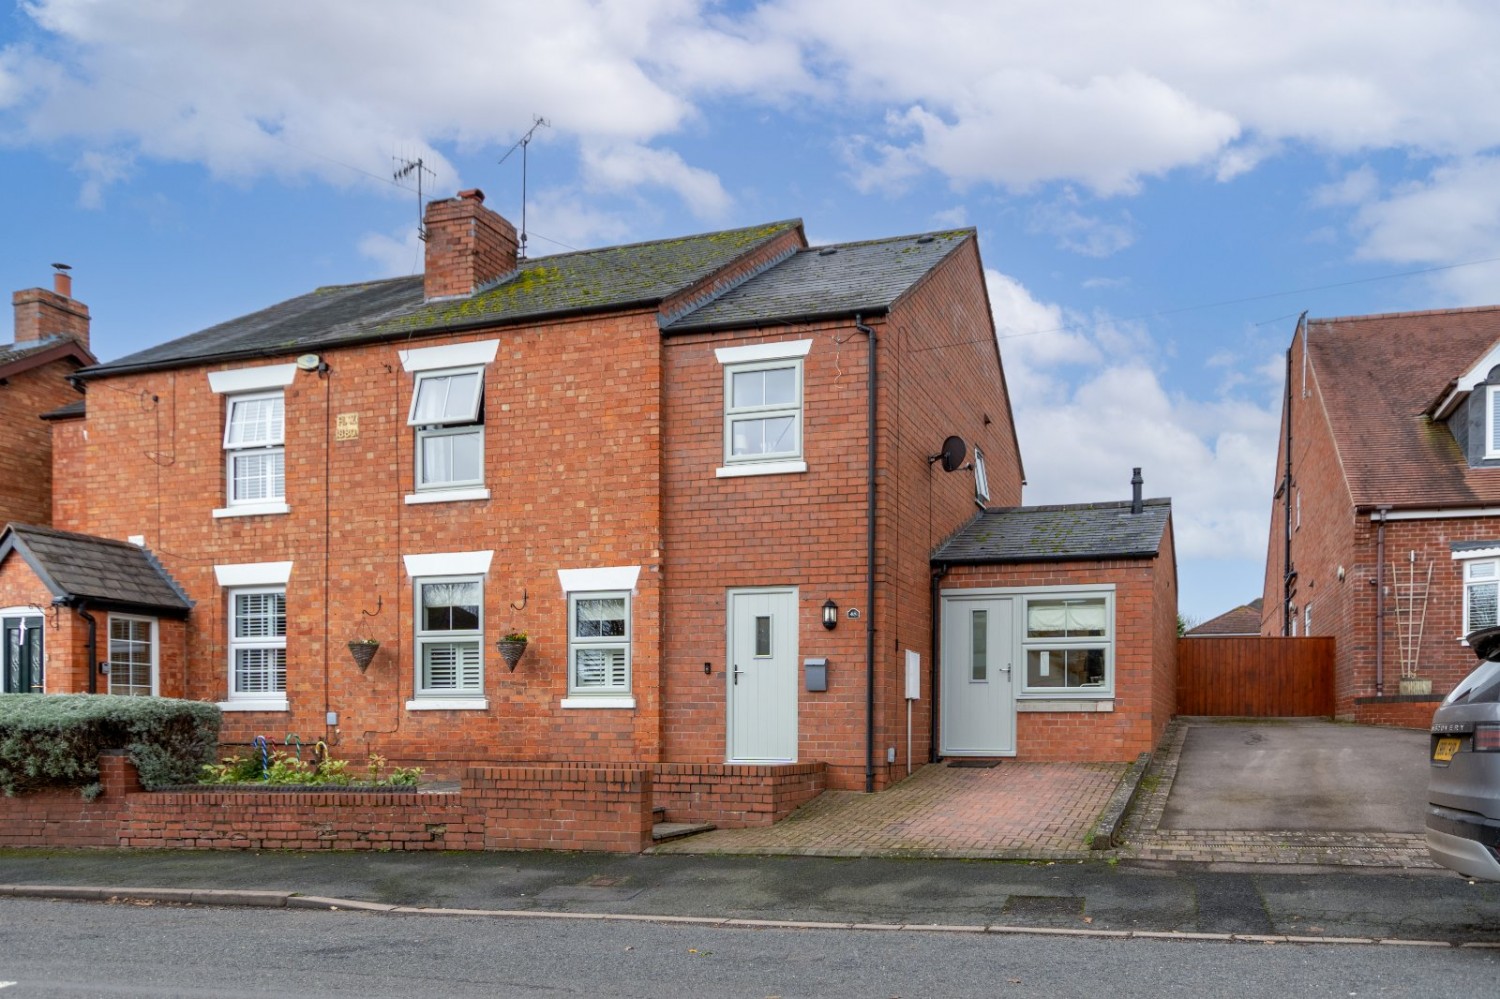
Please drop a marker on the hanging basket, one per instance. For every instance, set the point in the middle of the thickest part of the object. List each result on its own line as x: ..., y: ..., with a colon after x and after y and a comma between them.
x: 363, y: 653
x: 511, y: 650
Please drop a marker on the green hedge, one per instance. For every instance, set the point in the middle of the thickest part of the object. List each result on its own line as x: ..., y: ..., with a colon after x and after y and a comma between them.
x: 54, y: 740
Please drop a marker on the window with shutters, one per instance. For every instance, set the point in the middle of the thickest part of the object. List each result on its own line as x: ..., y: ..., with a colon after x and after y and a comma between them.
x: 257, y: 647
x: 447, y: 412
x: 450, y: 637
x: 598, y: 643
x: 254, y: 448
x: 1492, y: 422
x: 1481, y: 590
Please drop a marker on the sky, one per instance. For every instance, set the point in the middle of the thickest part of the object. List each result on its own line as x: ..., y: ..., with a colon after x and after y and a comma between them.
x: 1160, y: 188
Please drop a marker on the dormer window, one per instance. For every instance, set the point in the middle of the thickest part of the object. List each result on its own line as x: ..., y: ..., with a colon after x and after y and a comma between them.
x: 1492, y: 421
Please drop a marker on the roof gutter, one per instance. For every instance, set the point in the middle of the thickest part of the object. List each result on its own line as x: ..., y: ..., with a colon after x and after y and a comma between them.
x: 870, y: 339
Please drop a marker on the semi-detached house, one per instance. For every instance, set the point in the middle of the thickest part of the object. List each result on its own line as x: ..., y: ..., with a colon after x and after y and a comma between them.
x: 700, y: 475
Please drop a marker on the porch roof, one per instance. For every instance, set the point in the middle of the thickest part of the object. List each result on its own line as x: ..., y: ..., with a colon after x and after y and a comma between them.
x: 102, y: 571
x: 1066, y: 533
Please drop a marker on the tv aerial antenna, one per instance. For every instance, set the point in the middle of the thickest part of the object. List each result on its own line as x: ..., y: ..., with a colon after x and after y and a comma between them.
x: 523, y: 143
x: 404, y: 169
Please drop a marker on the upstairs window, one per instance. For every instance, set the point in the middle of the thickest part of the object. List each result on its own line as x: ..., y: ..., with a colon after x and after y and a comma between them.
x: 254, y: 447
x: 981, y: 479
x: 763, y: 411
x: 447, y: 412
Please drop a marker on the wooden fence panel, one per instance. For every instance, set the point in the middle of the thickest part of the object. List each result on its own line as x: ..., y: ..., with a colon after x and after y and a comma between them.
x: 1255, y: 677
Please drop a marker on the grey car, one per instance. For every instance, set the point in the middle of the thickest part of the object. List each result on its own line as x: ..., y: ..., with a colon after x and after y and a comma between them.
x: 1463, y: 789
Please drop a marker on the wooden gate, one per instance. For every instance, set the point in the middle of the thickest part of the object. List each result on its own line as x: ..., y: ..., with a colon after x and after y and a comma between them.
x: 1255, y: 677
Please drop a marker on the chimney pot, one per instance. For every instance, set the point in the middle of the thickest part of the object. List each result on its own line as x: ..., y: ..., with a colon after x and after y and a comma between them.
x: 1136, y: 506
x: 472, y: 194
x: 62, y: 283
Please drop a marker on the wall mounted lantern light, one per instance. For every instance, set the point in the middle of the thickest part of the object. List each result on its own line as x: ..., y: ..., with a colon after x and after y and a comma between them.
x: 830, y: 614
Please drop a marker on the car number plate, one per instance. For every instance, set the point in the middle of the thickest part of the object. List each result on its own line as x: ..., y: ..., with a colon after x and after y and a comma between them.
x: 1445, y: 749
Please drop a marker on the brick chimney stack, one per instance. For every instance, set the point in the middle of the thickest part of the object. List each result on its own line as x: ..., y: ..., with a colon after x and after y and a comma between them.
x: 468, y: 246
x: 41, y: 314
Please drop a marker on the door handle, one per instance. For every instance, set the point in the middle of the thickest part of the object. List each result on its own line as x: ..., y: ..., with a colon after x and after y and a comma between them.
x: 737, y: 672
x: 1006, y: 668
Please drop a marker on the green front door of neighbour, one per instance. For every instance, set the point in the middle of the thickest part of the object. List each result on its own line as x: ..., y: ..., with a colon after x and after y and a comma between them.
x: 21, y: 654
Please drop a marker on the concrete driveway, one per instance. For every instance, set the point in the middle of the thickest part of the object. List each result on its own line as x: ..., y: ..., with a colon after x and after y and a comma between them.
x: 1294, y: 773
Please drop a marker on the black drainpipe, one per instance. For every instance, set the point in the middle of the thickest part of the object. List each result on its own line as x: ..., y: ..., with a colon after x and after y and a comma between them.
x: 1383, y: 511
x: 938, y: 572
x: 869, y: 562
x: 82, y: 610
x: 1286, y: 495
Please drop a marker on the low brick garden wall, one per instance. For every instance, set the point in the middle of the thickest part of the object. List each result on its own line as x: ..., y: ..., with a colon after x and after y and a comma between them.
x: 502, y: 807
x: 1398, y: 710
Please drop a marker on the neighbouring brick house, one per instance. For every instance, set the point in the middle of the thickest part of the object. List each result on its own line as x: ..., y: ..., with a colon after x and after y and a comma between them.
x: 696, y: 472
x: 51, y: 343
x: 1242, y: 621
x: 1385, y: 525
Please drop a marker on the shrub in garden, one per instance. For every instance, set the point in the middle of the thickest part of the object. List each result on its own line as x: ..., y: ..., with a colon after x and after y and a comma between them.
x: 54, y: 740
x: 281, y: 768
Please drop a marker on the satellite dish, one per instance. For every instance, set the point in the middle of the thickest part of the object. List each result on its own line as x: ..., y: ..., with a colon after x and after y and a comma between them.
x: 952, y: 454
x: 309, y: 362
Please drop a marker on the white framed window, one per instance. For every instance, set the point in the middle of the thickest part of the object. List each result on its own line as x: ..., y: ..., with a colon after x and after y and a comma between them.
x: 255, y: 452
x: 1068, y: 642
x: 1492, y: 421
x: 1307, y: 620
x: 1481, y: 594
x: 257, y: 648
x: 447, y: 412
x: 449, y: 644
x: 132, y: 655
x: 763, y: 408
x: 981, y: 479
x: 599, y: 644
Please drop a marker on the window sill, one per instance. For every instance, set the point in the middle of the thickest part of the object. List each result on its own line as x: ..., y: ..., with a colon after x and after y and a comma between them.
x: 251, y: 510
x: 1101, y: 703
x: 761, y: 468
x: 599, y: 701
x: 448, y: 704
x: 447, y: 496
x: 248, y: 705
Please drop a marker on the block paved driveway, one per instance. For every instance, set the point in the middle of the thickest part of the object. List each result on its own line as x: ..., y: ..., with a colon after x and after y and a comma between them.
x: 1218, y: 791
x: 1015, y: 810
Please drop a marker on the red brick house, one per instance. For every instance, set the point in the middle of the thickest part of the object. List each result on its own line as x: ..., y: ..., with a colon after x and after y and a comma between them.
x: 1385, y: 525
x: 697, y: 473
x: 51, y: 343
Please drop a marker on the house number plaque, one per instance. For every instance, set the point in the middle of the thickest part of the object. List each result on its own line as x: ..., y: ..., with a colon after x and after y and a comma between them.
x: 347, y: 427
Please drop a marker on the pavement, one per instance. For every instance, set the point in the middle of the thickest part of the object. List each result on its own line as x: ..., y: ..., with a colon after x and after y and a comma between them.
x: 914, y: 855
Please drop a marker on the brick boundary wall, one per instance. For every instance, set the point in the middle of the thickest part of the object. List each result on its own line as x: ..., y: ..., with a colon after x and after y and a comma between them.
x: 735, y: 797
x: 1401, y: 711
x: 508, y: 807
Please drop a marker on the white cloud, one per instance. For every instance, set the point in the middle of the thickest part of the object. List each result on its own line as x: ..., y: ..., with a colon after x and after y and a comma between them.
x: 100, y: 170
x: 1354, y: 188
x: 1082, y: 233
x: 395, y: 255
x: 1090, y: 406
x: 626, y: 167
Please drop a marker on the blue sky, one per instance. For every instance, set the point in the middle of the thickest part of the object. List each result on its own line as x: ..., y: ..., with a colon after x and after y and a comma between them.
x: 1160, y: 187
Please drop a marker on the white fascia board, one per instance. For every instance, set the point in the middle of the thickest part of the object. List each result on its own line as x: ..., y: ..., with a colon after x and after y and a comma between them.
x: 618, y: 577
x: 1463, y: 556
x: 1436, y: 514
x: 763, y: 351
x: 269, y: 376
x: 449, y: 355
x: 254, y: 574
x: 448, y: 564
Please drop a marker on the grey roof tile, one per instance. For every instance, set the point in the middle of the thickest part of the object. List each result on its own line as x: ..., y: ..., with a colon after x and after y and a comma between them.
x: 1059, y: 533
x: 78, y: 407
x: 101, y: 570
x: 840, y: 279
x: 564, y: 283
